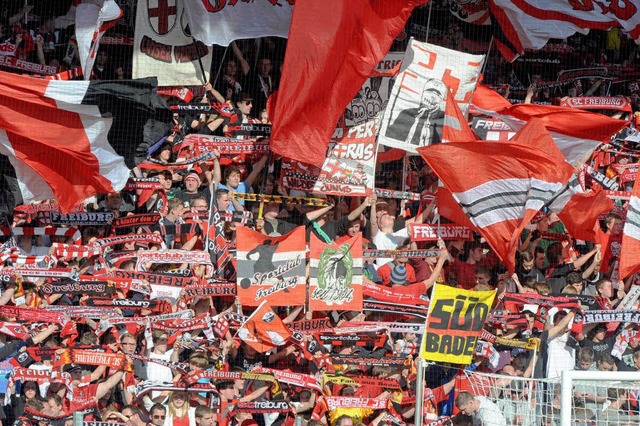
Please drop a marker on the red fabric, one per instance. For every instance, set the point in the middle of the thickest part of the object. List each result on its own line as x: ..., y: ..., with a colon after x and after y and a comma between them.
x: 532, y: 154
x: 384, y: 272
x: 333, y: 47
x: 629, y: 259
x: 455, y: 127
x: 61, y: 150
x: 264, y: 330
x: 583, y: 210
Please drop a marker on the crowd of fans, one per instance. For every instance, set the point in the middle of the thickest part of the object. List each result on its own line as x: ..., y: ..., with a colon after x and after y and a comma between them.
x: 169, y: 357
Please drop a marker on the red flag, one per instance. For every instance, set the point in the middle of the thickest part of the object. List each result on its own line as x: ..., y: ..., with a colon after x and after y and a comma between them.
x: 448, y: 207
x: 264, y: 330
x: 579, y: 210
x: 455, y: 127
x: 501, y: 185
x: 530, y: 24
x: 629, y: 258
x: 576, y: 132
x: 333, y: 47
x: 56, y: 139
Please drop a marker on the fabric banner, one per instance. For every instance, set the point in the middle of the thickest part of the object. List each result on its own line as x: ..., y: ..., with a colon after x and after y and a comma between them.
x: 136, y: 220
x: 146, y: 258
x: 92, y: 21
x: 454, y: 324
x: 199, y: 144
x: 347, y: 170
x: 21, y: 64
x: 618, y: 103
x: 163, y: 46
x: 492, y: 129
x: 372, y: 98
x: 264, y: 330
x: 428, y: 232
x: 221, y: 22
x: 629, y: 259
x: 271, y: 268
x: 87, y: 165
x: 529, y: 24
x: 335, y: 276
x: 156, y: 279
x: 500, y: 201
x: 416, y: 109
x: 95, y: 288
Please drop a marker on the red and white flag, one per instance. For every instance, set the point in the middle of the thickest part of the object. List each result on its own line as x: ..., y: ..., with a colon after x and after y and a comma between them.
x: 579, y: 210
x: 92, y: 21
x: 221, y: 22
x: 455, y: 127
x: 501, y: 185
x: 630, y: 251
x: 576, y: 132
x: 416, y: 111
x: 529, y: 24
x: 264, y: 330
x: 68, y: 157
x: 334, y: 44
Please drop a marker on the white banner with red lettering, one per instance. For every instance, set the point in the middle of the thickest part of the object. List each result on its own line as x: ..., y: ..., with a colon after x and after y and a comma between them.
x: 220, y: 22
x: 163, y: 47
x: 416, y: 108
x: 428, y: 232
x: 617, y: 103
x: 348, y: 169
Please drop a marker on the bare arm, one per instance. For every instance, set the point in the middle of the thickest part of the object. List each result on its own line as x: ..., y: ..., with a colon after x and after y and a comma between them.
x: 585, y: 257
x: 444, y: 256
x: 373, y: 216
x: 240, y: 57
x: 108, y: 384
x: 257, y: 168
x: 315, y: 214
x: 358, y: 210
x: 561, y: 326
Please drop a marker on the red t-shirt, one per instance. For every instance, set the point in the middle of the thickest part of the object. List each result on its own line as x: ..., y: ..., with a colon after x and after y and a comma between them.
x: 82, y: 396
x: 465, y: 274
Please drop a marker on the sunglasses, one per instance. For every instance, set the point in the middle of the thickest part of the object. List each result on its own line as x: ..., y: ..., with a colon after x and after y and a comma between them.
x: 248, y: 102
x: 159, y: 417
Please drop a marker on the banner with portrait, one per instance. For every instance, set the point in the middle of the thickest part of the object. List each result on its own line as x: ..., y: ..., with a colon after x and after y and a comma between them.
x: 335, y: 276
x: 416, y: 108
x: 454, y: 324
x: 271, y: 268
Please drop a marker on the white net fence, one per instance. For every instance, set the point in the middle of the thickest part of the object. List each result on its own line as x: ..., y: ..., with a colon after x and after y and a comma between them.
x: 533, y: 402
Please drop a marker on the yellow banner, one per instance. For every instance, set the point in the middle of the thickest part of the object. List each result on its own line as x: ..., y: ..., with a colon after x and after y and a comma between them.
x: 454, y: 324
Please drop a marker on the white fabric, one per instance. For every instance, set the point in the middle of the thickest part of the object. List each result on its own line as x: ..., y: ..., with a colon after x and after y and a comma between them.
x: 239, y: 21
x: 89, y: 18
x: 424, y: 62
x: 388, y: 242
x: 169, y: 70
x: 534, y: 33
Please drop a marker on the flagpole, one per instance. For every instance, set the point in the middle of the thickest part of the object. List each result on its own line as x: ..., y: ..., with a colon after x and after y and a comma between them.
x: 224, y: 55
x: 426, y: 39
x: 195, y: 47
x: 484, y: 65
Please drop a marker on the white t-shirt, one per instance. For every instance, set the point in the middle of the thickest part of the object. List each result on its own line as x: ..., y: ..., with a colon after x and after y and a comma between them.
x: 560, y: 357
x: 159, y: 372
x: 488, y: 414
x: 388, y: 242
